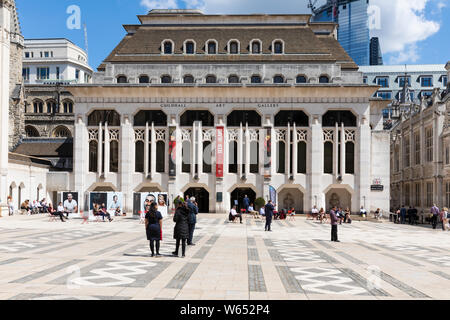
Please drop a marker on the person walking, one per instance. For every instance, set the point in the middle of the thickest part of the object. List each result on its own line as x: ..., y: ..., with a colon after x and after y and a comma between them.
x: 11, y: 208
x: 153, y: 227
x: 334, y: 225
x: 403, y: 214
x: 193, y: 211
x: 245, y: 203
x: 435, y: 213
x: 443, y: 216
x: 268, y: 209
x: 181, y: 229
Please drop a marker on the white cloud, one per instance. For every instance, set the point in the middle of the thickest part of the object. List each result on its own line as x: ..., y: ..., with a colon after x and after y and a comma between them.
x: 403, y: 24
x: 159, y: 4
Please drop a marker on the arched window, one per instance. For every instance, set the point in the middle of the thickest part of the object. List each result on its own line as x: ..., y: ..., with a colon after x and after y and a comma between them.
x: 158, y: 117
x: 256, y: 79
x: 285, y: 117
x: 332, y: 117
x: 31, y: 132
x: 188, y: 79
x: 188, y: 118
x: 254, y: 157
x: 52, y: 107
x: 281, y: 157
x: 237, y: 117
x: 114, y: 156
x: 211, y: 47
x: 102, y: 116
x: 186, y: 157
x: 166, y: 79
x: 211, y: 79
x: 328, y: 157
x: 207, y: 157
x: 160, y: 156
x: 122, y: 79
x: 232, y: 157
x: 144, y: 79
x: 350, y: 158
x: 278, y: 47
x: 324, y: 79
x: 189, y: 47
x: 167, y: 47
x: 233, y: 79
x: 93, y: 154
x: 139, y: 156
x: 255, y: 47
x: 301, y: 157
x: 278, y: 79
x: 300, y: 79
x: 68, y: 106
x: 38, y: 106
x: 61, y: 132
x: 233, y: 47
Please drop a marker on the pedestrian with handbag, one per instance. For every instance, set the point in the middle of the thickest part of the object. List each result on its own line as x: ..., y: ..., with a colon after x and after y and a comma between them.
x: 181, y: 229
x: 153, y: 227
x: 435, y: 213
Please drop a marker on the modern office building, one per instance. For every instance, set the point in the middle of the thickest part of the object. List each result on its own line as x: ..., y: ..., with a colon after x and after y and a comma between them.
x: 353, y: 32
x: 47, y: 60
x: 420, y: 153
x: 376, y: 57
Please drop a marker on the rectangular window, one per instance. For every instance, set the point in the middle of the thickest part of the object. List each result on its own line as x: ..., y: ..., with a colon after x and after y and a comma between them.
x: 43, y: 73
x: 27, y: 54
x: 365, y: 80
x: 429, y: 144
x: 429, y: 194
x: 444, y: 80
x: 57, y: 73
x: 77, y: 74
x: 397, y: 159
x: 426, y: 94
x: 386, y: 95
x: 401, y: 81
x: 447, y: 193
x: 417, y: 194
x: 417, y: 148
x: 406, y: 161
x: 46, y: 54
x: 383, y: 82
x: 426, y: 81
x: 407, y: 195
x: 447, y: 155
x: 26, y: 74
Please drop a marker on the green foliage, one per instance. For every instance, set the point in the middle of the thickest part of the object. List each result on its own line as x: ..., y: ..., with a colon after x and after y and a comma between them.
x: 260, y: 202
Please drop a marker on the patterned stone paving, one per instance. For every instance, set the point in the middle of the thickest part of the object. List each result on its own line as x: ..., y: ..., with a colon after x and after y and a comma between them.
x: 43, y: 260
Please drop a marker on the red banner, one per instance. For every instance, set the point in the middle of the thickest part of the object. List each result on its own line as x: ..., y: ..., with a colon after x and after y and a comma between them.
x: 219, y: 151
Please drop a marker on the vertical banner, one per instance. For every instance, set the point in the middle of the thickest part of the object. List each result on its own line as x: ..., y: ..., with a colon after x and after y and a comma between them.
x: 219, y: 152
x: 267, y: 152
x: 172, y: 152
x: 273, y: 195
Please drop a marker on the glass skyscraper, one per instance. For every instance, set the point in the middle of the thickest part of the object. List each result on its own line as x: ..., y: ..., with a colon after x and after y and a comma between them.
x: 353, y: 33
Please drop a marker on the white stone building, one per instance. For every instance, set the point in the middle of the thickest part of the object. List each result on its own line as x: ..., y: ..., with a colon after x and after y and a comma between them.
x: 420, y: 153
x: 54, y: 59
x: 222, y: 106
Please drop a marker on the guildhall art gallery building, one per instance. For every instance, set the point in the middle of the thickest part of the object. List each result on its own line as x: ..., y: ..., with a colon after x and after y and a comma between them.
x: 218, y: 106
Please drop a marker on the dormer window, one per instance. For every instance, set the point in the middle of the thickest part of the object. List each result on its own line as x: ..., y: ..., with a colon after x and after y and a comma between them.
x: 211, y: 47
x: 144, y: 79
x: 255, y: 47
x: 324, y: 79
x: 278, y: 79
x: 233, y: 47
x: 122, y: 79
x: 278, y: 47
x: 211, y: 79
x: 233, y: 79
x: 166, y: 79
x: 189, y: 47
x: 188, y: 79
x: 301, y: 79
x: 167, y: 47
x: 255, y: 79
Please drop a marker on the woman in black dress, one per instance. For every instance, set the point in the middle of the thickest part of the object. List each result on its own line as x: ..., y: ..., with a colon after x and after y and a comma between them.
x: 153, y: 227
x: 181, y: 229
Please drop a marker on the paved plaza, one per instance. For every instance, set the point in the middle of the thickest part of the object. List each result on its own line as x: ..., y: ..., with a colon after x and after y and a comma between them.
x: 47, y: 260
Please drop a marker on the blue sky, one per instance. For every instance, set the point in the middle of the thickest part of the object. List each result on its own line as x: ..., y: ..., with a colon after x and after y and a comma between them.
x: 402, y: 23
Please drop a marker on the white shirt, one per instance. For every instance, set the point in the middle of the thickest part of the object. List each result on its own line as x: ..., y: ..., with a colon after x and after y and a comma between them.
x: 250, y: 208
x: 315, y: 210
x: 262, y: 211
x: 233, y: 212
x: 70, y: 206
x: 60, y: 209
x: 114, y: 205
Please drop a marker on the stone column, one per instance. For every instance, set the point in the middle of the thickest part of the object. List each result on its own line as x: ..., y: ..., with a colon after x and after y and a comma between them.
x: 364, y: 163
x: 153, y: 151
x: 146, y: 150
x: 247, y: 151
x: 126, y: 167
x: 240, y: 150
x: 295, y: 151
x: 200, y: 149
x: 336, y: 151
x: 100, y: 150
x: 226, y: 151
x: 80, y: 158
x: 315, y: 158
x: 288, y: 151
x: 193, y: 150
x: 342, y: 150
x: 107, y: 151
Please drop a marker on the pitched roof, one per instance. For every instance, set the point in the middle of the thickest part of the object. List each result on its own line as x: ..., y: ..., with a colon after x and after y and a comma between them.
x: 62, y: 148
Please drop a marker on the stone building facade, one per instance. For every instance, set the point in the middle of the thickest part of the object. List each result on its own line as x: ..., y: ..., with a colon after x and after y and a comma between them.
x: 222, y: 106
x: 420, y: 153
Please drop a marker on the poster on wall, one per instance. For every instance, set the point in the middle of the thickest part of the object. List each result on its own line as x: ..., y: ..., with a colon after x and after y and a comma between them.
x: 114, y: 201
x: 141, y: 200
x: 70, y: 202
x: 267, y: 153
x: 219, y: 152
x: 172, y: 152
x: 100, y: 198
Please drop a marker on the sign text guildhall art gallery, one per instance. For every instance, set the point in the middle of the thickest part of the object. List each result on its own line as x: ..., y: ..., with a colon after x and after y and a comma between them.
x: 222, y: 106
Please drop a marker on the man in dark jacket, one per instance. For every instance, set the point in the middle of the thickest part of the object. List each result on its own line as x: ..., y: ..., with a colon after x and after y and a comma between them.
x: 435, y: 212
x: 269, y: 214
x: 411, y: 215
x: 193, y: 211
x: 403, y: 214
x: 245, y: 203
x: 181, y: 229
x: 334, y: 222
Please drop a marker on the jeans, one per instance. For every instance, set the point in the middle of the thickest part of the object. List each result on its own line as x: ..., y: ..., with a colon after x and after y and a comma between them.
x: 60, y: 214
x: 334, y: 235
x: 434, y: 220
x: 152, y: 246
x: 268, y: 223
x: 183, y: 246
x: 191, y: 232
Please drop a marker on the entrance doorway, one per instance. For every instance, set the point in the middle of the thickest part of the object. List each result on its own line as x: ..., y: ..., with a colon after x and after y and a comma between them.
x: 338, y: 197
x: 238, y: 195
x: 201, y: 196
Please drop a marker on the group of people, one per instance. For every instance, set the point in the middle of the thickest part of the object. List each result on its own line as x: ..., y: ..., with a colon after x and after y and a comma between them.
x: 436, y: 216
x: 343, y: 216
x: 185, y: 219
x: 100, y: 210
